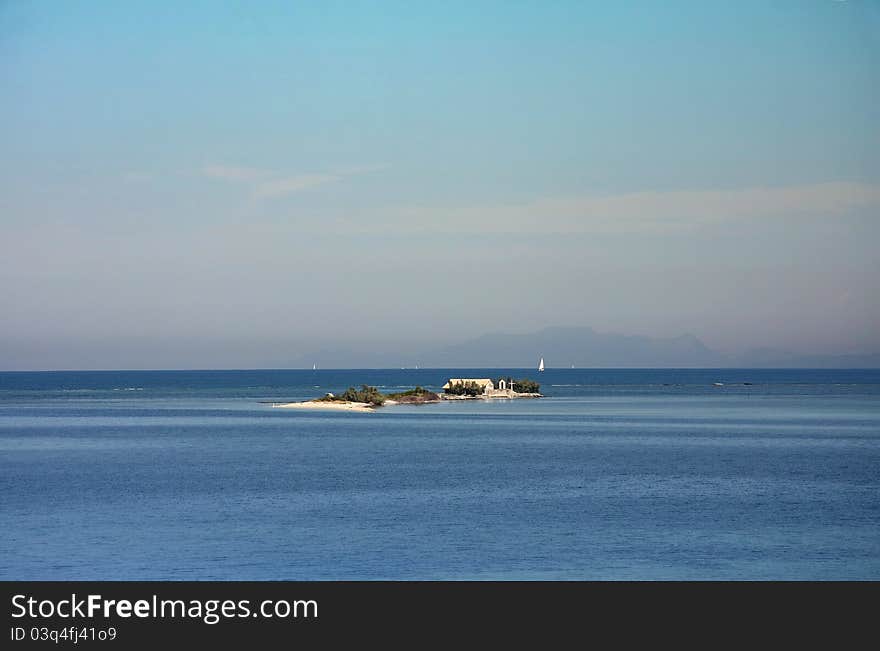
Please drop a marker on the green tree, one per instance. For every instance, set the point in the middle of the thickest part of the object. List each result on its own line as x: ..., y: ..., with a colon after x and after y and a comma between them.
x: 523, y: 385
x: 368, y: 394
x: 464, y: 389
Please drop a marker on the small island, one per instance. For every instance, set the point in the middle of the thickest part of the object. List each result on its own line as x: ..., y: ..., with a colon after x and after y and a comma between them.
x: 368, y: 398
x: 486, y: 388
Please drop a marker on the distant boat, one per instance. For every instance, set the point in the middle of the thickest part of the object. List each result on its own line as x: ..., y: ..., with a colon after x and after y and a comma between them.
x: 314, y: 367
x: 541, y: 364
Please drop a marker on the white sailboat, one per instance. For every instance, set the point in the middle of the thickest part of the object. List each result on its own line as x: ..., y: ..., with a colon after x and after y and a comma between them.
x: 314, y: 367
x: 541, y: 364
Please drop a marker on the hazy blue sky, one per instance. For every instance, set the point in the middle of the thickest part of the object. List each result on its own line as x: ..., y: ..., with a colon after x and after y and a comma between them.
x: 234, y: 184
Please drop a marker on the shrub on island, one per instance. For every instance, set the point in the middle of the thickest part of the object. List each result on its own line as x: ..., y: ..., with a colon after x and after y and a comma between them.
x: 464, y: 389
x: 416, y: 395
x: 522, y: 385
x: 368, y: 394
x: 372, y: 396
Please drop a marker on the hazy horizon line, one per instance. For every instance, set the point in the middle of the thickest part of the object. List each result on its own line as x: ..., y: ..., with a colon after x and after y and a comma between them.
x: 451, y: 368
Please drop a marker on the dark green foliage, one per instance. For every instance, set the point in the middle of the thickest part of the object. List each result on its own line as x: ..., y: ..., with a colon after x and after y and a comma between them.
x: 417, y: 392
x: 414, y: 396
x: 367, y: 394
x: 465, y: 389
x: 523, y: 385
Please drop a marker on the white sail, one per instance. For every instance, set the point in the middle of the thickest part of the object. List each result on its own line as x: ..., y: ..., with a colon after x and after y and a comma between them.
x: 314, y: 367
x: 541, y: 365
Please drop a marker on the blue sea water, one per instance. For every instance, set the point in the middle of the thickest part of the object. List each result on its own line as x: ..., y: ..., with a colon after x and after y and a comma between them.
x: 615, y: 474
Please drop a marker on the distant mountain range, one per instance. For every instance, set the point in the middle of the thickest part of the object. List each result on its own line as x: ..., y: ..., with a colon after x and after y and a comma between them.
x: 581, y: 347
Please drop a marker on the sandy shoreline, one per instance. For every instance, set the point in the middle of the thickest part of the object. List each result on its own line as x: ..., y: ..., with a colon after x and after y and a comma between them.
x: 367, y: 407
x: 334, y: 406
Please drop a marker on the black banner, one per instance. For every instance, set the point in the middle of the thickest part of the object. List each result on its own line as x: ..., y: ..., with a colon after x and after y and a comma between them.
x: 124, y: 615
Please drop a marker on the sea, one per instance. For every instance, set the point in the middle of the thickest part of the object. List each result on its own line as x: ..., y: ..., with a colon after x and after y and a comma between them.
x: 662, y: 474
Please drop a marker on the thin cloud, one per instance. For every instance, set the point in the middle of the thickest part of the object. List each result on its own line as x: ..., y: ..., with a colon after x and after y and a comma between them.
x: 282, y: 187
x: 639, y: 211
x: 136, y: 177
x: 265, y: 184
x: 230, y: 173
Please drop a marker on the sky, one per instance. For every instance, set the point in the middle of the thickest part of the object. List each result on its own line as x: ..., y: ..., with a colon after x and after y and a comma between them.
x: 235, y: 184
